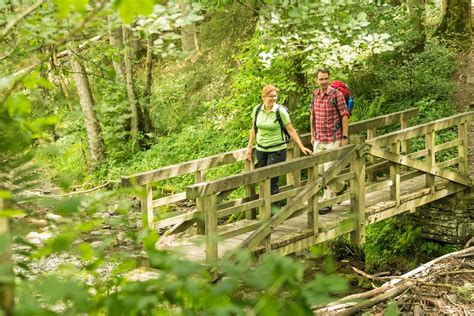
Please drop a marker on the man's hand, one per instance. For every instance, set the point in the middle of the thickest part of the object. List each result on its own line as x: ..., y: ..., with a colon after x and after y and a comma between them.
x: 344, y: 142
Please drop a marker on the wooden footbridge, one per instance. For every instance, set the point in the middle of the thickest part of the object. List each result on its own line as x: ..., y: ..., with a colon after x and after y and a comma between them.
x: 389, y: 174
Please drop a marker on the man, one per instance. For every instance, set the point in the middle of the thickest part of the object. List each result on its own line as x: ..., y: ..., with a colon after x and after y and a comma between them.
x: 329, y: 120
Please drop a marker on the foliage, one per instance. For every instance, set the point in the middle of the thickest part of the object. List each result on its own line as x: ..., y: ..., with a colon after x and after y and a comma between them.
x: 396, y: 244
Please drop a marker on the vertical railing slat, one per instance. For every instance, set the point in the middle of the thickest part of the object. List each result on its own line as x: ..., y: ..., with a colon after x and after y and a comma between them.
x: 313, y: 203
x: 210, y: 218
x: 200, y: 176
x: 395, y: 175
x: 371, y: 132
x: 266, y: 209
x: 358, y: 189
x: 147, y: 207
x: 430, y: 159
x: 250, y: 191
x: 462, y: 150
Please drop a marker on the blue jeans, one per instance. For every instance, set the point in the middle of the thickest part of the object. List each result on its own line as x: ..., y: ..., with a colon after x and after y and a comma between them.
x: 270, y: 158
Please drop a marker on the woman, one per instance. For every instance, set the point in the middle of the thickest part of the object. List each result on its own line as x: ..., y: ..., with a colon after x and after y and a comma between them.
x: 271, y: 145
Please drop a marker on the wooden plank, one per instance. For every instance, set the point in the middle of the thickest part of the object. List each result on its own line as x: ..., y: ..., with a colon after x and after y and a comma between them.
x: 382, y: 121
x: 448, y: 145
x: 239, y: 208
x: 250, y: 191
x: 210, y: 217
x: 303, y: 241
x: 266, y: 209
x: 451, y: 162
x: 200, y: 176
x: 147, y: 208
x: 178, y: 219
x: 421, y: 130
x: 169, y: 199
x: 404, y: 145
x: 185, y: 168
x: 415, y: 164
x: 395, y: 175
x: 431, y: 157
x: 245, y: 178
x: 337, y: 199
x: 239, y: 230
x: 313, y: 205
x: 371, y: 132
x: 358, y: 194
x: 463, y: 133
x: 409, y: 205
x: 378, y: 186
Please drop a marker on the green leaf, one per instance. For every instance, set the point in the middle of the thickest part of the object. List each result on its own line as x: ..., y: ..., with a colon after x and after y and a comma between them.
x: 128, y: 9
x: 11, y: 213
x: 391, y: 309
x: 18, y: 105
x: 66, y: 6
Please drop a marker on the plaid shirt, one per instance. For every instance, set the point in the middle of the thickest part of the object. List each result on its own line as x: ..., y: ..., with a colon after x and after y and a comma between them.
x: 327, y: 124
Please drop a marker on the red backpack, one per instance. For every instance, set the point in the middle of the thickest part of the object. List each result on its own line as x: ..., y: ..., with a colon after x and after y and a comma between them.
x: 341, y: 86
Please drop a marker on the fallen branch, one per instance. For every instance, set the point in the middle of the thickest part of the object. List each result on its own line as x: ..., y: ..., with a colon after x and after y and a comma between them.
x: 397, y: 285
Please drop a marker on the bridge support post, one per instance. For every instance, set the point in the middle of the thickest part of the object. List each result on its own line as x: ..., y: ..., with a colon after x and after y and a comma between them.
x: 266, y: 209
x: 358, y: 190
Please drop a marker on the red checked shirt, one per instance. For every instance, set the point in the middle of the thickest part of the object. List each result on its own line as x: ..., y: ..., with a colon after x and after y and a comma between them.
x: 326, y: 120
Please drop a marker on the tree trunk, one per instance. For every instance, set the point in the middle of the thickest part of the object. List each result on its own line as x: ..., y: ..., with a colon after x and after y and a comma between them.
x: 94, y: 133
x: 7, y: 283
x: 189, y: 41
x: 457, y: 19
x: 129, y: 83
x: 444, y: 3
x: 148, y: 126
x: 416, y: 9
x: 115, y: 40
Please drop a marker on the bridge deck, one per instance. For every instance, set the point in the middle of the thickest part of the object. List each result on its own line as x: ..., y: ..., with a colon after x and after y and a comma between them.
x: 193, y: 247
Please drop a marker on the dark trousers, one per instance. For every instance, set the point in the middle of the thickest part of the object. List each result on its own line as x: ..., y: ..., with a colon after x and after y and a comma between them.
x: 270, y: 158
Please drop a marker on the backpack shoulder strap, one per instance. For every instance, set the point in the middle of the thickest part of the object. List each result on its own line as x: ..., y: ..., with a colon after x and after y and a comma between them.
x: 258, y: 108
x: 334, y: 102
x: 284, y: 133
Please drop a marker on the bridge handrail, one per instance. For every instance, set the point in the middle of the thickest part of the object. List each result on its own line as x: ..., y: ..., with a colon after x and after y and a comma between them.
x: 422, y: 129
x: 254, y: 176
x: 205, y: 163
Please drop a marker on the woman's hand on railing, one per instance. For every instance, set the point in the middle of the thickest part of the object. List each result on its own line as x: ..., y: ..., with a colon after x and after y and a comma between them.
x: 249, y: 154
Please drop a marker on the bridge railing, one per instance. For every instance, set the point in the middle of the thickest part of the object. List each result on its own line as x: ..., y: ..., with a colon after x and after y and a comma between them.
x: 199, y: 168
x: 423, y: 156
x: 300, y: 199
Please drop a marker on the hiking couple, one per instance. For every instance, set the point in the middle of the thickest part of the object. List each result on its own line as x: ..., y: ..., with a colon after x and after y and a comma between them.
x: 271, y: 125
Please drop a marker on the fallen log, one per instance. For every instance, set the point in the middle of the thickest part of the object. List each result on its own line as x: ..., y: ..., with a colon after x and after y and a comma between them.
x: 397, y: 285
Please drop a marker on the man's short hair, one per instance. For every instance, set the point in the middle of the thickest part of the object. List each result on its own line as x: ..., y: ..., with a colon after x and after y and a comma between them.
x: 323, y: 70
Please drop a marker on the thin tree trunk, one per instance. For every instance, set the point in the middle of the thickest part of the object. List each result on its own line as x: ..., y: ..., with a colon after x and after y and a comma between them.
x: 115, y: 40
x: 416, y: 9
x: 7, y: 283
x: 444, y: 4
x: 129, y: 83
x: 148, y: 126
x: 189, y: 41
x: 94, y: 132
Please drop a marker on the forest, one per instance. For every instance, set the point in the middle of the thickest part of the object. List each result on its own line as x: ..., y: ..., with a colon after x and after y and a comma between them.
x: 91, y: 91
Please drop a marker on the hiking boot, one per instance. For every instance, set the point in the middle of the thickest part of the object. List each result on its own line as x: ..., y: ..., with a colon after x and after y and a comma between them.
x: 344, y: 188
x: 325, y: 210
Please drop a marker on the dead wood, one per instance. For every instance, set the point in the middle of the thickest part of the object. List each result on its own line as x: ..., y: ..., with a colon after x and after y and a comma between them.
x: 394, y: 287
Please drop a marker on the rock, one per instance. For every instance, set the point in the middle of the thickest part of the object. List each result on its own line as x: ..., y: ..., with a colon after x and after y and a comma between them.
x: 37, y: 238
